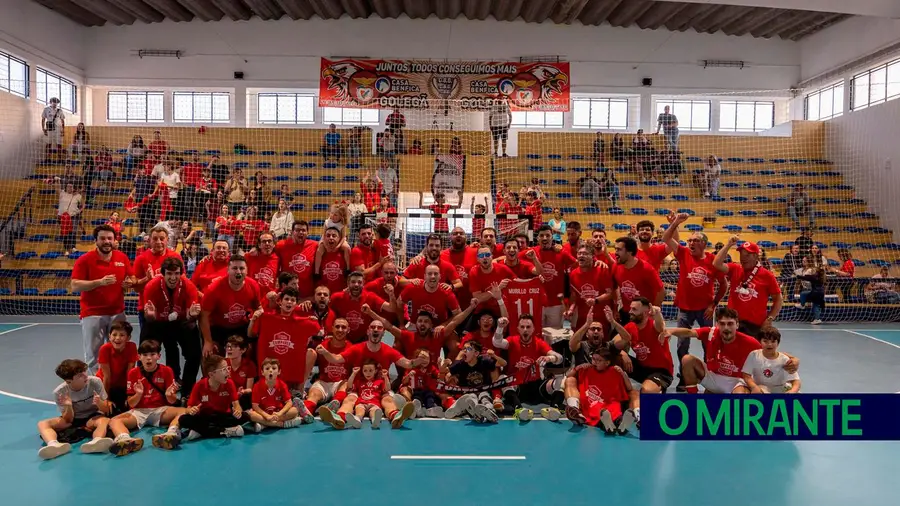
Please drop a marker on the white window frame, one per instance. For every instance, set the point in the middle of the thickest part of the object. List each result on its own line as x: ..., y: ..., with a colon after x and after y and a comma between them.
x: 731, y: 124
x: 145, y: 118
x: 68, y: 101
x: 875, y: 86
x: 836, y: 91
x: 213, y: 109
x: 600, y: 123
x: 688, y: 124
x: 296, y: 119
x: 350, y: 116
x: 6, y: 82
x: 537, y: 119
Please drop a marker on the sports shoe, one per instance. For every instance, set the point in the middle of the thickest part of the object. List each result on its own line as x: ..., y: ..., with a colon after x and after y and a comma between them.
x: 551, y: 414
x: 97, y: 445
x: 626, y: 422
x: 607, y: 422
x: 334, y: 405
x: 257, y: 428
x: 485, y: 414
x: 462, y: 405
x: 524, y: 414
x: 125, y: 446
x: 402, y: 416
x: 376, y: 418
x: 353, y: 421
x: 816, y: 322
x: 293, y: 422
x: 435, y: 412
x: 237, y: 431
x: 303, y: 414
x: 53, y: 450
x: 399, y: 400
x: 498, y: 404
x: 331, y: 418
x: 192, y: 436
x: 419, y: 412
x: 166, y: 440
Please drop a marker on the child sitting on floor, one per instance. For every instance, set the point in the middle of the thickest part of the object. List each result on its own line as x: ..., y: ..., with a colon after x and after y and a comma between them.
x: 764, y: 369
x: 214, y: 409
x: 116, y: 358
x: 369, y: 388
x: 272, y: 404
x: 82, y: 404
x: 419, y: 386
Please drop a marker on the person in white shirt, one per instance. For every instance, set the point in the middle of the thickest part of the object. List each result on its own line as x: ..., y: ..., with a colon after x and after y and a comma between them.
x: 763, y: 371
x: 53, y: 122
x: 709, y: 178
x: 388, y: 175
x: 282, y: 221
x: 499, y: 121
x: 71, y: 203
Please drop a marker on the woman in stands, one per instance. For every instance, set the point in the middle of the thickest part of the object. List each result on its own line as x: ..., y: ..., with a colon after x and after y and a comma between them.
x: 68, y: 212
x: 116, y: 223
x: 556, y: 223
x: 282, y: 221
x: 708, y: 178
x: 225, y: 226
x: 81, y: 144
x: 135, y: 153
x: 213, y: 207
x: 812, y: 279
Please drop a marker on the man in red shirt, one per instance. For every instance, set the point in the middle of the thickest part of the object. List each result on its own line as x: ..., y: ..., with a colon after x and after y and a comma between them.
x: 751, y: 286
x: 523, y: 269
x: 331, y: 385
x: 533, y: 208
x: 227, y: 305
x: 102, y: 276
x: 460, y: 256
x: 190, y: 179
x: 263, y: 263
x: 250, y: 227
x: 439, y: 207
x: 389, y: 276
x: 554, y: 263
x: 432, y: 256
x: 590, y: 288
x: 634, y: 277
x: 365, y: 257
x: 297, y: 254
x: 147, y: 265
x: 601, y: 245
x: 573, y: 238
x: 653, y: 254
x: 348, y: 304
x: 171, y: 309
x: 429, y: 296
x: 332, y: 272
x: 646, y: 335
x: 318, y: 310
x: 484, y: 276
x: 213, y: 267
x: 488, y: 239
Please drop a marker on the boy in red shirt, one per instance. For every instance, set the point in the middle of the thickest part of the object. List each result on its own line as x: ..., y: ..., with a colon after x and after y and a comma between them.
x: 116, y: 358
x: 419, y: 386
x: 272, y: 404
x: 602, y: 390
x: 369, y: 390
x: 382, y: 244
x: 242, y: 371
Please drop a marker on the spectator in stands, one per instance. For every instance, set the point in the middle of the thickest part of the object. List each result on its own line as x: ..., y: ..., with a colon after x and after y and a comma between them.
x: 158, y: 147
x: 81, y: 143
x: 357, y: 210
x: 104, y: 163
x: 812, y: 280
x: 804, y: 242
x: 206, y: 186
x: 213, y: 208
x: 641, y: 144
x: 135, y: 153
x: 789, y: 265
x: 236, y: 190
x: 188, y: 234
x: 499, y: 121
x: 589, y: 187
x: 250, y: 225
x: 435, y: 147
x: 68, y: 211
x: 882, y: 291
x: 53, y: 122
x: 395, y: 124
x: 456, y: 146
x: 609, y: 186
x: 172, y: 182
x: 331, y: 145
x: 816, y: 256
x: 225, y: 226
x: 354, y: 144
x: 416, y: 148
x: 282, y: 221
x: 848, y: 268
x: 599, y: 148
x: 557, y: 223
x: 799, y: 206
x: 670, y: 166
x: 388, y: 178
x: 372, y: 188
x: 620, y: 153
x: 88, y: 175
x: 669, y: 125
x: 708, y: 177
x: 389, y: 147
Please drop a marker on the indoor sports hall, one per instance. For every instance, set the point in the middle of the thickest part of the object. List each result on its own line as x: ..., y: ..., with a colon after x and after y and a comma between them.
x: 329, y: 137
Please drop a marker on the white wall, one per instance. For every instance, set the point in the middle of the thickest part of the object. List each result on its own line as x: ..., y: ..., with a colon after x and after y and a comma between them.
x: 845, y: 42
x: 864, y: 146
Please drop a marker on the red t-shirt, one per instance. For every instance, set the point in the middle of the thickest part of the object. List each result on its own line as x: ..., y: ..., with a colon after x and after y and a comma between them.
x: 537, y: 213
x: 417, y: 271
x: 523, y: 358
x: 480, y: 281
x: 554, y: 265
x: 370, y: 392
x: 285, y: 338
x: 590, y: 284
x: 251, y: 232
x: 604, y: 387
x: 525, y: 296
x: 270, y: 399
x: 162, y: 378
x: 207, y: 271
x: 120, y: 362
x: 462, y: 261
x: 365, y: 257
x: 487, y: 342
x: 298, y: 258
x: 168, y: 301
x: 228, y: 307
x: 440, y: 224
x: 325, y: 321
x: 647, y: 348
x: 104, y: 300
x: 571, y: 249
x: 849, y: 267
x: 213, y: 401
x: 642, y: 280
x: 440, y: 303
x: 424, y: 378
x: 328, y: 372
x: 654, y: 255
x: 696, y: 289
x: 146, y: 260
x: 227, y: 225
x: 752, y: 306
x: 347, y: 307
x: 190, y: 173
x: 726, y: 359
x: 356, y: 355
x: 158, y: 148
x: 383, y: 247
x: 333, y: 269
x: 247, y: 370
x: 408, y: 342
x: 263, y: 269
x: 376, y: 286
x: 523, y: 269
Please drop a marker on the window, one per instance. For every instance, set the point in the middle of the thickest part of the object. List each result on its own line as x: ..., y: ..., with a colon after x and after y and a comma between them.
x: 737, y: 116
x: 201, y: 107
x: 692, y: 115
x: 529, y: 119
x: 285, y: 109
x: 49, y: 85
x: 825, y: 103
x: 876, y: 85
x: 134, y: 107
x: 13, y: 75
x: 347, y: 116
x: 600, y: 113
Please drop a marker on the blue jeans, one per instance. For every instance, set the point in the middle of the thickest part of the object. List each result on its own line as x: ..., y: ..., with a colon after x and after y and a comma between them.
x: 94, y: 333
x: 686, y: 320
x: 671, y: 138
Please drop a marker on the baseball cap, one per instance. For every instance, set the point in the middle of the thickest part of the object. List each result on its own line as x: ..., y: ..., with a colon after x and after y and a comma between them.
x: 750, y: 247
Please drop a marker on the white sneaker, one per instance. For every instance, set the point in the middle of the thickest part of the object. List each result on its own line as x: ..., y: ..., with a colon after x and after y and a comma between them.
x: 353, y: 421
x: 257, y: 428
x: 462, y: 405
x: 485, y: 413
x: 400, y: 401
x: 524, y: 414
x: 816, y: 322
x: 435, y: 412
x: 798, y: 305
x: 97, y: 445
x: 551, y: 414
x: 420, y: 411
x: 626, y: 422
x: 607, y: 421
x: 293, y: 422
x: 192, y: 436
x: 234, y: 432
x: 376, y: 418
x: 53, y: 450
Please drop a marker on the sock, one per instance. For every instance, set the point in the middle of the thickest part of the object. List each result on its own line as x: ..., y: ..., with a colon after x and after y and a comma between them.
x: 310, y: 405
x: 637, y: 414
x: 54, y: 442
x: 573, y: 402
x: 692, y: 389
x: 121, y: 437
x: 173, y: 429
x: 392, y: 414
x: 343, y: 416
x: 340, y: 396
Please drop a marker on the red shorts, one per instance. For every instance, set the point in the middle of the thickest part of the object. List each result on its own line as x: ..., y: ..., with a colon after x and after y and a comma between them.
x: 368, y: 405
x: 592, y: 413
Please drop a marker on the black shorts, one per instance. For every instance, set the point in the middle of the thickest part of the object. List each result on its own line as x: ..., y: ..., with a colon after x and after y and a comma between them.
x: 500, y: 133
x: 751, y: 329
x: 641, y: 374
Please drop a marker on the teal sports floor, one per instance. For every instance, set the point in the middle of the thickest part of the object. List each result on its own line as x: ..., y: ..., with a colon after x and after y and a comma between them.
x: 439, y: 462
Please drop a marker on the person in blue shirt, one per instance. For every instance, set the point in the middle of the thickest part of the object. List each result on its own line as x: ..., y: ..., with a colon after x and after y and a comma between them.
x: 332, y: 147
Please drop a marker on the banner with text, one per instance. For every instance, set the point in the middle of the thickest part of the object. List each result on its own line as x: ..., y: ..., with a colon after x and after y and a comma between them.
x: 449, y: 176
x: 414, y: 84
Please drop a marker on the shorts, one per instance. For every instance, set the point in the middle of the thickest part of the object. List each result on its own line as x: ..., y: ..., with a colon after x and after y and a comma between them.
x: 367, y: 405
x: 328, y: 388
x: 82, y: 423
x: 717, y: 384
x: 501, y: 132
x: 592, y: 413
x: 641, y: 374
x: 751, y: 329
x: 148, y: 416
x: 53, y: 137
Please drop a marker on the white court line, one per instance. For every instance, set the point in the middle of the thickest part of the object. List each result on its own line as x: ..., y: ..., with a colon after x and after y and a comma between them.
x: 26, y: 398
x: 23, y: 327
x: 872, y: 338
x: 457, y: 457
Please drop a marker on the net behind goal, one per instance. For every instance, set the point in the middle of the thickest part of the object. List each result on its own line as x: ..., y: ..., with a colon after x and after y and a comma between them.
x: 734, y: 184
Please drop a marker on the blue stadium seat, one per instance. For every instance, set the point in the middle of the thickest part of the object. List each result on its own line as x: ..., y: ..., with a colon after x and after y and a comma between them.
x: 839, y: 214
x: 297, y: 206
x: 304, y: 178
x: 75, y: 255
x: 50, y: 221
x: 51, y: 255
x: 865, y: 245
x: 47, y: 191
x: 841, y: 244
x: 535, y: 168
x: 745, y: 172
x: 640, y: 211
x: 286, y: 165
x: 799, y: 160
x: 726, y: 172
x: 661, y: 211
x: 353, y: 165
x: 5, y: 291
x: 767, y: 244
x: 591, y: 210
x: 350, y: 179
x: 564, y: 195
x: 849, y: 230
x: 329, y: 165
x: 557, y: 168
x: 680, y: 198
x: 289, y: 153
x: 688, y: 211
x: 281, y: 178
x: 320, y: 207
x: 308, y: 165
x: 820, y: 214
x: 865, y: 215
x: 533, y: 156
x: 622, y: 226
x: 879, y: 262
x: 576, y: 157
x: 748, y: 213
x: 892, y: 246
x: 878, y: 230
x: 733, y: 228
x: 766, y: 172
x: 617, y: 211
x: 38, y: 238
x: 565, y: 210
x: 311, y: 153
x: 56, y: 292
x: 717, y: 198
x: 110, y: 206
x: 190, y: 152
x: 739, y: 198
x: 29, y: 292
x: 756, y: 160
x: 301, y: 193
x: 724, y: 212
x: 810, y: 173
x: 657, y: 197
x: 323, y: 193
x: 561, y: 182
x: 730, y: 184
x: 554, y: 157
x: 775, y: 261
x: 628, y: 182
x: 831, y: 200
x: 263, y: 165
x: 633, y: 196
x: 859, y: 202
x: 317, y: 223
x: 779, y: 160
x: 651, y: 182
x: 787, y: 244
x: 327, y: 178
x: 693, y: 227
x: 756, y: 228
x: 829, y: 230
x: 347, y: 193
x: 762, y: 199
x: 752, y: 185
x: 97, y: 222
x: 580, y: 169
x: 735, y: 159
x: 596, y: 226
x: 859, y: 263
x: 694, y: 159
x: 267, y: 153
x: 771, y: 214
x: 818, y: 186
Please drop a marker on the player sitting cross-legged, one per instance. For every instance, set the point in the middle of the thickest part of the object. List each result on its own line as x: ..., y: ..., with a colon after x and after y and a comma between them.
x: 602, y: 388
x: 272, y: 405
x: 476, y: 371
